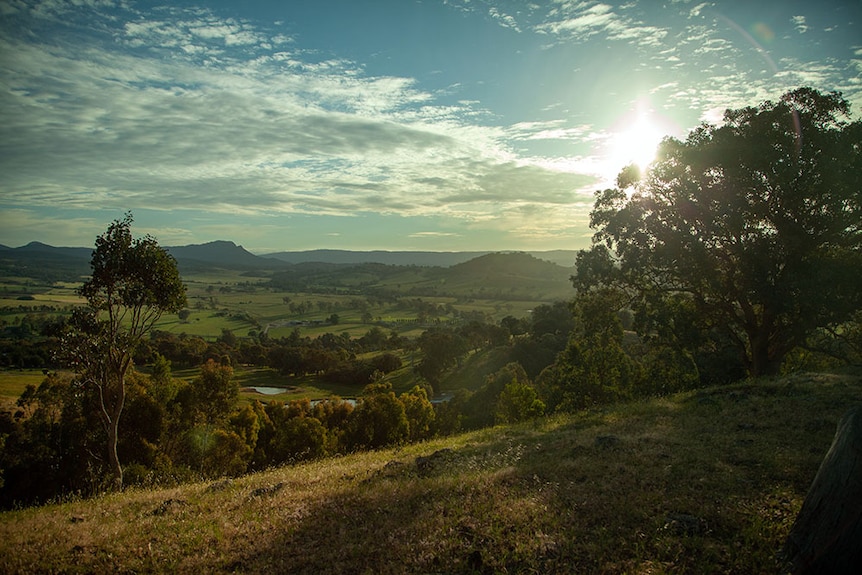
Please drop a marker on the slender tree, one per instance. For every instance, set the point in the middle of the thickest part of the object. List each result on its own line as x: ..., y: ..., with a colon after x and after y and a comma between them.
x: 133, y: 282
x: 756, y: 222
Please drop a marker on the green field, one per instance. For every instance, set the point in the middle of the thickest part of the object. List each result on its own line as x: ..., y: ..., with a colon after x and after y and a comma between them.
x: 227, y: 299
x: 13, y: 383
x: 220, y: 300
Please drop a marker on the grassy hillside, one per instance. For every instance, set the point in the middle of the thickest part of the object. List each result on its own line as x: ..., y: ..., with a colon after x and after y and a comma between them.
x: 702, y: 482
x: 502, y: 276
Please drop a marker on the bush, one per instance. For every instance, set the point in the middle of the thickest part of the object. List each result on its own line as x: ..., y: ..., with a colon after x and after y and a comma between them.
x: 518, y: 402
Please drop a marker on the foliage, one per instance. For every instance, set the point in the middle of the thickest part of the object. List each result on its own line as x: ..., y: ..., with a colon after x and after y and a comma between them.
x: 441, y: 349
x: 754, y: 222
x: 518, y: 402
x: 419, y: 412
x: 213, y: 393
x: 299, y: 438
x: 548, y: 331
x: 602, y: 363
x: 47, y: 444
x: 480, y: 408
x: 133, y: 282
x: 378, y: 420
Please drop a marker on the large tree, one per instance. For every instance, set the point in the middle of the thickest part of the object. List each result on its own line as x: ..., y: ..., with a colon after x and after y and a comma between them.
x: 755, y: 222
x: 133, y: 282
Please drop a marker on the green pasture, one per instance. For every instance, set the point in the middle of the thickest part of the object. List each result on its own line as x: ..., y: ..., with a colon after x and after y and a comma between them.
x: 205, y: 324
x: 225, y: 299
x: 13, y: 382
x: 228, y: 300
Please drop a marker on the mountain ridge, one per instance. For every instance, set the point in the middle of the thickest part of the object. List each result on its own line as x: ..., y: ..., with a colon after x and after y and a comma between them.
x: 228, y: 254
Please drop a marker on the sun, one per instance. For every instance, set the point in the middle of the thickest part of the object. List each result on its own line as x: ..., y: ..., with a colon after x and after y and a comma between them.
x: 633, y: 139
x: 635, y: 144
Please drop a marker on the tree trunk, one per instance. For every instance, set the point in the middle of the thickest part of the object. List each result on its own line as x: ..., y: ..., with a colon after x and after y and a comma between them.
x: 114, y: 430
x: 827, y: 535
x: 112, y: 408
x: 765, y: 355
x: 113, y: 455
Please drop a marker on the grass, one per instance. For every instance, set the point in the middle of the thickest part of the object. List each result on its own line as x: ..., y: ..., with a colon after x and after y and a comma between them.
x: 13, y: 382
x: 701, y: 482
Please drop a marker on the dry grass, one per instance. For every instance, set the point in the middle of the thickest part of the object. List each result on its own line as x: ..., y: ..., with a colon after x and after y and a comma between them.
x: 705, y: 482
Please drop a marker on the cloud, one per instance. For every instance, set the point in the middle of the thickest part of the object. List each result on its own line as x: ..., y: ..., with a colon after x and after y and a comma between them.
x: 433, y: 235
x: 57, y: 230
x: 582, y: 20
x: 696, y: 10
x: 504, y: 20
x: 799, y: 23
x: 180, y: 109
x: 548, y: 130
x: 255, y: 131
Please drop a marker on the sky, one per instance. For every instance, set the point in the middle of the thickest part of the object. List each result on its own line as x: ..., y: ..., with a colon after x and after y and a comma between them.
x: 419, y: 125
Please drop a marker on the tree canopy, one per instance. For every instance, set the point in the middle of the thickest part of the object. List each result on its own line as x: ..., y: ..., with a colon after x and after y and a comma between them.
x: 133, y: 282
x: 755, y: 223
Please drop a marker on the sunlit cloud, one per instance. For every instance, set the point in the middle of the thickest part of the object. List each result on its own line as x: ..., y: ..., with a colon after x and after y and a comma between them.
x: 434, y: 235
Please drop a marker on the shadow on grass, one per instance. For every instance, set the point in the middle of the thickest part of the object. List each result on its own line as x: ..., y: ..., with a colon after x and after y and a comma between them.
x: 704, y: 482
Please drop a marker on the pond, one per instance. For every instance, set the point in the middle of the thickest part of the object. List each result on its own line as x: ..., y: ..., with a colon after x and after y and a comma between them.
x: 266, y: 390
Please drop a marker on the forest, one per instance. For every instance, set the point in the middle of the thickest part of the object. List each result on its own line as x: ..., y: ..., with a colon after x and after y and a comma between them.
x: 737, y: 255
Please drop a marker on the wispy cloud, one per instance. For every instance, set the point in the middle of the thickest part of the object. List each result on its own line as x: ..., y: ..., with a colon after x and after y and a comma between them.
x: 199, y: 111
x: 581, y: 20
x: 505, y: 20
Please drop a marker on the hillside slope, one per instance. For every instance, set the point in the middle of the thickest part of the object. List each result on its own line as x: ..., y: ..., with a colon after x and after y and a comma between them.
x: 702, y: 482
x: 512, y: 276
x: 565, y: 258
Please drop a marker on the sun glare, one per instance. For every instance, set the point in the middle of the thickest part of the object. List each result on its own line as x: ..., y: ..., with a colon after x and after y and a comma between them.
x: 637, y: 145
x: 634, y: 139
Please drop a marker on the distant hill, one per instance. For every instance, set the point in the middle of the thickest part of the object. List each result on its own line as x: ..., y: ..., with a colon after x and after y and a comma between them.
x: 407, y: 258
x: 513, y: 276
x: 54, y: 252
x: 43, y: 262
x: 221, y: 253
x: 39, y: 260
x: 423, y: 272
x: 518, y: 264
x: 441, y: 259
